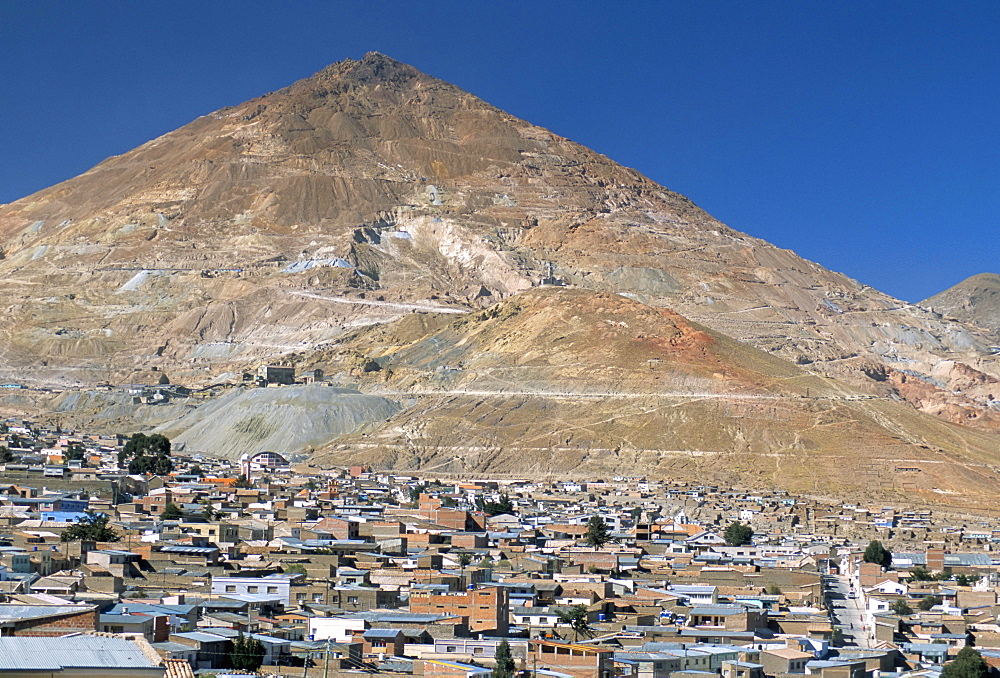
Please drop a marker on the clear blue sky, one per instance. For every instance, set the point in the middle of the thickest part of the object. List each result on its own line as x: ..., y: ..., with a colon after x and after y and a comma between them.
x: 863, y: 135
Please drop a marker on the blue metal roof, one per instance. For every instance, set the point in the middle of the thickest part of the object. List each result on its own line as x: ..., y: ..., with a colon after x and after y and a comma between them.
x: 54, y: 654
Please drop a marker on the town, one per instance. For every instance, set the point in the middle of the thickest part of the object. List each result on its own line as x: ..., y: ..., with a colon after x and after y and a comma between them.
x: 163, y: 563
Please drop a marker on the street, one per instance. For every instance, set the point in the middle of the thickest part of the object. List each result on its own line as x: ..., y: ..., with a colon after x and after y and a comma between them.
x: 846, y: 611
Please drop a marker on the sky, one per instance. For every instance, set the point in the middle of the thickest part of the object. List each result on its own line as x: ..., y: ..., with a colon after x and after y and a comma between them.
x: 864, y: 136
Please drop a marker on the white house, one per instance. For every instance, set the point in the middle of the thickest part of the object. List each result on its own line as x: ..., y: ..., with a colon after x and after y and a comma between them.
x: 889, y: 587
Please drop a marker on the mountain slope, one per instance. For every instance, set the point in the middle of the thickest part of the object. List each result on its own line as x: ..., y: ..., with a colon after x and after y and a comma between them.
x: 569, y: 382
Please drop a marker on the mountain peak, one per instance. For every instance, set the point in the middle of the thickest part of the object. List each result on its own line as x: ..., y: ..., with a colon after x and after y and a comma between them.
x: 372, y: 68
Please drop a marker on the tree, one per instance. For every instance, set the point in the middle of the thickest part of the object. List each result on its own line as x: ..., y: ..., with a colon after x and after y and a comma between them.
x: 929, y: 602
x: 147, y: 454
x: 878, y: 554
x: 597, y: 532
x: 294, y: 568
x: 208, y: 514
x: 774, y: 590
x: 920, y: 573
x: 576, y: 618
x: 92, y: 528
x: 968, y: 663
x: 6, y: 455
x: 464, y: 559
x: 75, y: 452
x: 171, y: 512
x: 504, y: 661
x: 738, y: 534
x: 495, y: 508
x: 243, y: 483
x: 837, y: 638
x: 448, y: 502
x: 901, y: 608
x: 196, y: 471
x: 966, y: 579
x: 247, y: 654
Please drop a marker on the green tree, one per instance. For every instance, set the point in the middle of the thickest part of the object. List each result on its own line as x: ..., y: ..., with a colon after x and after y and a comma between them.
x: 196, y: 471
x: 901, y: 608
x: 147, y: 454
x: 75, y: 452
x: 878, y: 554
x: 968, y: 663
x: 243, y: 483
x: 448, y: 502
x: 171, y: 512
x: 920, y: 573
x: 738, y: 534
x: 294, y: 568
x: 837, y: 638
x: 92, y: 528
x: 496, y: 508
x: 928, y: 602
x: 6, y: 455
x: 966, y: 579
x: 247, y: 654
x: 774, y: 590
x: 597, y: 532
x: 504, y: 661
x: 208, y: 514
x: 576, y: 618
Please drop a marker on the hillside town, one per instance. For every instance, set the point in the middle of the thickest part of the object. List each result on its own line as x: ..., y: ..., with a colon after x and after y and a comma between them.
x: 120, y: 551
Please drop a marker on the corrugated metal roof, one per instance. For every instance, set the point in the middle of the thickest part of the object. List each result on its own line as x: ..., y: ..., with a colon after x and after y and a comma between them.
x: 53, y: 654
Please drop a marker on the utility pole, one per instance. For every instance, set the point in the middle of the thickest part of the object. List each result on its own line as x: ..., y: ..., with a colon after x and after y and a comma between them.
x: 326, y: 659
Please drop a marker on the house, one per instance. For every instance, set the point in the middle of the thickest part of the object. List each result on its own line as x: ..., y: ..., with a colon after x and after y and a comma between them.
x: 82, y: 655
x: 47, y: 620
x: 579, y: 661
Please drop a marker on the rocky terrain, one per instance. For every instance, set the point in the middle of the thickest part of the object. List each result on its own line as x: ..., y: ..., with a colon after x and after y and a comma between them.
x: 374, y: 198
x: 975, y: 300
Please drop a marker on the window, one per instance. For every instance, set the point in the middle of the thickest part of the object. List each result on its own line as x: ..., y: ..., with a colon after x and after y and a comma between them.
x: 451, y: 648
x: 252, y: 589
x: 230, y: 588
x: 477, y: 650
x: 317, y: 597
x: 272, y: 589
x: 352, y: 600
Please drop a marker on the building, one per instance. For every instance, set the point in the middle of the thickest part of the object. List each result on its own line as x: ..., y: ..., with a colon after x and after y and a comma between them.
x: 78, y: 656
x: 274, y: 586
x: 579, y: 661
x: 263, y: 462
x: 485, y: 609
x: 276, y: 374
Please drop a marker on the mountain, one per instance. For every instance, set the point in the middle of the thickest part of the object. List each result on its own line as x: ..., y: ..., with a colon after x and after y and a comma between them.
x: 566, y: 382
x: 372, y: 198
x: 975, y: 300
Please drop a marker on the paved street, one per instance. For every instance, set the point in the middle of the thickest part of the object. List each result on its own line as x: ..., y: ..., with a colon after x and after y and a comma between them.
x: 846, y: 611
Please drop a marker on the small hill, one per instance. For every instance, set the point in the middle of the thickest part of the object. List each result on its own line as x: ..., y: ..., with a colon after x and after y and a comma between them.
x: 570, y: 382
x: 975, y: 300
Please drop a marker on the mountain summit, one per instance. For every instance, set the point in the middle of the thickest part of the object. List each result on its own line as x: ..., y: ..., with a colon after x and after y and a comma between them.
x: 370, y: 192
